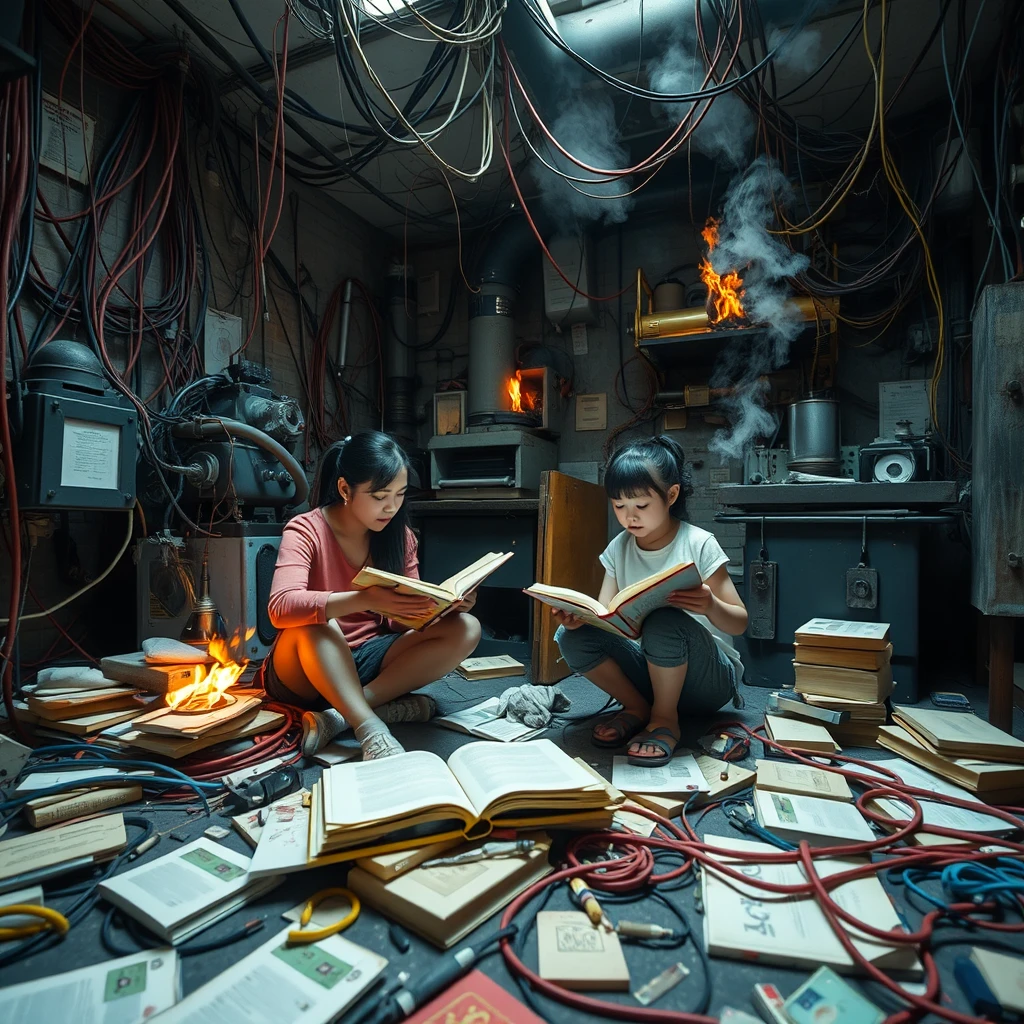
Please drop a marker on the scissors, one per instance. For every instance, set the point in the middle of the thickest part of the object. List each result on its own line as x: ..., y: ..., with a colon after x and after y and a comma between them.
x: 304, y: 935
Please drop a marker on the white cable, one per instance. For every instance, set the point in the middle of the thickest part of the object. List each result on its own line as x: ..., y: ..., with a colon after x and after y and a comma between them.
x: 92, y: 583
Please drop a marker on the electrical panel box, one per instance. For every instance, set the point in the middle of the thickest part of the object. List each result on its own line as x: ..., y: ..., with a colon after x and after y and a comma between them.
x: 76, y: 450
x: 997, y: 487
x: 563, y: 305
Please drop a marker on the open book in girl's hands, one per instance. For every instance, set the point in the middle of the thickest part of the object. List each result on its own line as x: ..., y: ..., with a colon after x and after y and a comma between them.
x: 629, y: 607
x: 453, y: 591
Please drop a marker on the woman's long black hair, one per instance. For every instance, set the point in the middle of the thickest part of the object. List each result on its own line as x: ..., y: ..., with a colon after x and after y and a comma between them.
x: 374, y: 458
x: 653, y: 465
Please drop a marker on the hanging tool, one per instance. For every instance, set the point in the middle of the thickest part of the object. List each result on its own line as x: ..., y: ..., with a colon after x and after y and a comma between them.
x: 861, y: 581
x: 305, y: 935
x: 761, y: 595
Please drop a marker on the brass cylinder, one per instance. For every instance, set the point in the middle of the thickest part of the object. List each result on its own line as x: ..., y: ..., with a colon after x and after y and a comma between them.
x: 673, y: 323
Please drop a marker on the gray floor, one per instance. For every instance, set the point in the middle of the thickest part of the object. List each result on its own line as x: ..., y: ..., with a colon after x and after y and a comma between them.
x: 731, y: 982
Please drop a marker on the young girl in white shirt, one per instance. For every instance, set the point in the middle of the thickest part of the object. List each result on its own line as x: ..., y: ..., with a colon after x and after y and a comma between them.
x: 684, y: 660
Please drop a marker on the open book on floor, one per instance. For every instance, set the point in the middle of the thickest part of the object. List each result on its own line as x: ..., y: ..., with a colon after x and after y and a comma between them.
x: 630, y: 606
x: 451, y: 592
x: 412, y: 798
x: 484, y: 721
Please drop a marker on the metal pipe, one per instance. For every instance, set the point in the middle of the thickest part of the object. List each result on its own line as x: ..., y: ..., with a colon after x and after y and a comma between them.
x: 478, y: 481
x: 200, y: 428
x: 674, y: 323
x: 823, y: 520
x: 346, y: 312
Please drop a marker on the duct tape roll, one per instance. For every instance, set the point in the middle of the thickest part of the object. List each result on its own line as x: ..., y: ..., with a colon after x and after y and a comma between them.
x: 894, y: 469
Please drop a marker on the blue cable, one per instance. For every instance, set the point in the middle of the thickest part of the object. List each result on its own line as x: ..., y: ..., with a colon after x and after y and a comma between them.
x: 971, y: 882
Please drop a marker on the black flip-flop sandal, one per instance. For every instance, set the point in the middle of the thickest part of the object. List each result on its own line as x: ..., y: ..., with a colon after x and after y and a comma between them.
x: 658, y: 760
x: 626, y: 726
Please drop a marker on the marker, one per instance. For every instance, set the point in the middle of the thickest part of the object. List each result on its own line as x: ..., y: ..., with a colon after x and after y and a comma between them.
x: 588, y: 901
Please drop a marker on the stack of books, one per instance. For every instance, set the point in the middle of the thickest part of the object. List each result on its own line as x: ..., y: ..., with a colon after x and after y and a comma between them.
x: 844, y: 666
x: 959, y: 747
x: 82, y: 704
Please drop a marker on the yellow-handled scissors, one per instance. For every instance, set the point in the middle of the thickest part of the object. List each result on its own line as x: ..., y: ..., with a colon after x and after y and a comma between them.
x: 49, y: 919
x: 303, y: 934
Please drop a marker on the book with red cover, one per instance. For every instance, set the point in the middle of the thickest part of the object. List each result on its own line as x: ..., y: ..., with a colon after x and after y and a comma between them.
x: 477, y: 999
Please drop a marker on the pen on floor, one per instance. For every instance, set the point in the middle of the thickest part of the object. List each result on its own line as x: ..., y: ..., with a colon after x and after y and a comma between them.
x: 588, y: 901
x: 483, y: 852
x: 143, y: 847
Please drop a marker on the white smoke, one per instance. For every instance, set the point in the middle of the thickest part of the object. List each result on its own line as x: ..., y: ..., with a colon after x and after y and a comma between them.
x: 588, y: 130
x: 726, y: 126
x: 800, y: 54
x: 765, y: 264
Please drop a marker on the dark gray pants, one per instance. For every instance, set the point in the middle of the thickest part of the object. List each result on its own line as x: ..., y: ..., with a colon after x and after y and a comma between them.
x: 669, y: 637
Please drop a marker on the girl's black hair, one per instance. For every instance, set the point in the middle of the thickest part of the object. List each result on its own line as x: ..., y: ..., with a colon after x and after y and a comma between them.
x: 653, y: 465
x: 374, y: 458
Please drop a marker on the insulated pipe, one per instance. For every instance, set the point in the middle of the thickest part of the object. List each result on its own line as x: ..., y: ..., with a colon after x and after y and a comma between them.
x: 400, y: 355
x: 198, y: 429
x: 492, y: 340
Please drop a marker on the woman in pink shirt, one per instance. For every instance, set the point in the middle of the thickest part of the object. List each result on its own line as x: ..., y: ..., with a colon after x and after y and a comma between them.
x: 337, y: 648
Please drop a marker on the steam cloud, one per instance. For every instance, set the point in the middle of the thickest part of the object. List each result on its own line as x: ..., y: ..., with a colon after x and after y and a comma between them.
x: 726, y: 127
x: 588, y: 131
x: 764, y: 264
x: 800, y: 54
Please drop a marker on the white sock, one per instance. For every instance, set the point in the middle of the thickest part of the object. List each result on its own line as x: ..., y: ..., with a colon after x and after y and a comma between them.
x: 330, y: 723
x: 376, y: 740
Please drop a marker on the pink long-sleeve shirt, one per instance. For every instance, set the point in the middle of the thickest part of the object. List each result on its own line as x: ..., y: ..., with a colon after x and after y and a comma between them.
x: 310, y: 567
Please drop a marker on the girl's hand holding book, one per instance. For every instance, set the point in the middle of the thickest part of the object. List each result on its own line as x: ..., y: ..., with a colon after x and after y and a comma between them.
x: 388, y: 602
x: 567, y: 619
x: 700, y: 600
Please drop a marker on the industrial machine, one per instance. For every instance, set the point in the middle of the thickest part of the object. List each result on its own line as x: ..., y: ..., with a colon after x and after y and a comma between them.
x: 233, y: 438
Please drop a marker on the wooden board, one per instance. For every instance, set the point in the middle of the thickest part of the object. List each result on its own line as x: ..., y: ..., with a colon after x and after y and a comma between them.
x: 572, y: 531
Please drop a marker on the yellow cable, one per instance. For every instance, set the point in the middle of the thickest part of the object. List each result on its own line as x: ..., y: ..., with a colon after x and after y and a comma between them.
x: 304, y: 935
x: 50, y: 920
x: 910, y: 209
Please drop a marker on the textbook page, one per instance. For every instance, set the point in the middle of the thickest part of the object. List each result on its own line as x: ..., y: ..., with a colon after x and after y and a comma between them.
x: 680, y: 775
x: 484, y: 721
x: 279, y: 982
x: 817, y: 819
x: 94, y: 837
x: 488, y: 772
x: 283, y: 843
x: 129, y: 990
x: 932, y: 812
x: 357, y: 794
x: 180, y: 884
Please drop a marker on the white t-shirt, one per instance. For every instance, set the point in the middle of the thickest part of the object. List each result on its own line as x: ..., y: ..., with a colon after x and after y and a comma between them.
x: 629, y: 564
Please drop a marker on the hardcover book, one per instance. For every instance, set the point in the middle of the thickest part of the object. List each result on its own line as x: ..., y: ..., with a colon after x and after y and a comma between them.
x: 629, y: 607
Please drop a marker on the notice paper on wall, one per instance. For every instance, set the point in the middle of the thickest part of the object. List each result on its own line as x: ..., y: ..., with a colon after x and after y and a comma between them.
x: 903, y: 400
x: 592, y: 412
x: 67, y: 135
x: 91, y: 455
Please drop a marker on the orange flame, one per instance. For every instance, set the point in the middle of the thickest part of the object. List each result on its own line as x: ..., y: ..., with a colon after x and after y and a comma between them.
x: 724, y: 293
x: 515, y: 391
x: 212, y: 681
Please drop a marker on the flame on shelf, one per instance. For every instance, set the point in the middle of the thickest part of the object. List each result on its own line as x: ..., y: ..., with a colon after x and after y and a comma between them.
x: 210, y: 688
x: 521, y: 400
x: 725, y: 294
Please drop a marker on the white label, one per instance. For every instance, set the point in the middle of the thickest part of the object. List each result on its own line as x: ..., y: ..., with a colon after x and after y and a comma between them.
x: 92, y: 452
x: 903, y: 400
x: 592, y: 412
x: 579, y: 340
x: 718, y: 476
x: 222, y: 335
x: 67, y: 139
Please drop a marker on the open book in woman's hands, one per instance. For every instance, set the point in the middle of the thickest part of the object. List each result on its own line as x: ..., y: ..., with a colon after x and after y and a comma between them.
x: 630, y: 606
x: 446, y: 596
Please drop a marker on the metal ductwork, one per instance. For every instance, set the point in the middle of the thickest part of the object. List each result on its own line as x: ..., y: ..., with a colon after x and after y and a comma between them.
x: 492, y: 339
x: 400, y: 355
